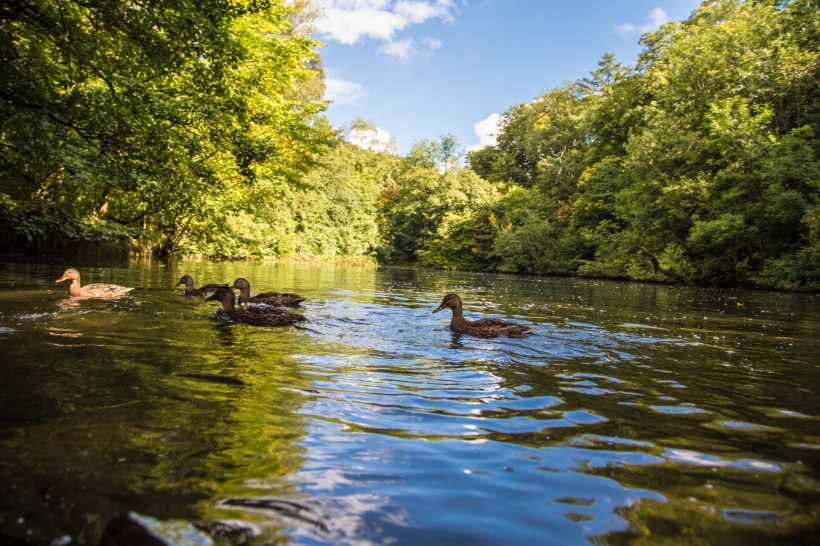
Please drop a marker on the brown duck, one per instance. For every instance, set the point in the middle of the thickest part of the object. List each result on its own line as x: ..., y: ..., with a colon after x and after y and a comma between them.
x: 271, y: 298
x: 91, y: 291
x: 191, y: 290
x: 488, y: 327
x: 255, y: 316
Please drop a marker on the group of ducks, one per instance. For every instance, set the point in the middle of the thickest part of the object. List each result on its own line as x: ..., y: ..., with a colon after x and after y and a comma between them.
x: 271, y: 312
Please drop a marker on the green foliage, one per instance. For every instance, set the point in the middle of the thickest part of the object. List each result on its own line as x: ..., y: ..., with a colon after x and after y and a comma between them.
x: 699, y: 165
x: 461, y: 242
x: 186, y: 128
x: 336, y: 212
x: 542, y: 143
x: 146, y: 115
x: 671, y: 264
x: 428, y: 187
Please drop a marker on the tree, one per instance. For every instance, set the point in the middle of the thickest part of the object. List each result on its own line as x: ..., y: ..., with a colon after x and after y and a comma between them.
x: 134, y: 119
x: 700, y: 164
x: 427, y: 186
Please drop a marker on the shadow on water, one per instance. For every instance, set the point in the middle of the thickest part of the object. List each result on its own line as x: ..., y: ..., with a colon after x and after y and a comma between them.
x: 634, y: 413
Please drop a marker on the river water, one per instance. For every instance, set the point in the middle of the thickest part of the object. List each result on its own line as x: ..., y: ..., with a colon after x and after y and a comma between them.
x: 635, y: 414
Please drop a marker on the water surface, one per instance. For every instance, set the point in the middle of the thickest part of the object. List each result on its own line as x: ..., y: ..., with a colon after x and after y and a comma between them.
x: 635, y: 414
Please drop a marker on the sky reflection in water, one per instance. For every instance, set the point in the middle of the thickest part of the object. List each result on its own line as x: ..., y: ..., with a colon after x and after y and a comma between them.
x: 633, y: 412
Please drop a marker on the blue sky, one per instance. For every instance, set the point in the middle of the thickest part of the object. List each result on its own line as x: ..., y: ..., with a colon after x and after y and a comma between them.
x: 421, y: 69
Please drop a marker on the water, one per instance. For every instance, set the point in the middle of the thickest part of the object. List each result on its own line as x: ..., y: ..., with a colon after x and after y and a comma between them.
x: 636, y: 414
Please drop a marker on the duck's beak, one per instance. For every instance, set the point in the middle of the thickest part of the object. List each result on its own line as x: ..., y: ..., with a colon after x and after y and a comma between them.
x: 439, y: 308
x: 179, y: 283
x: 61, y: 279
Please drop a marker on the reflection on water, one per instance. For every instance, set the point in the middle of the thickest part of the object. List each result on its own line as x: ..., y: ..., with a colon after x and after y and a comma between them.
x: 634, y: 413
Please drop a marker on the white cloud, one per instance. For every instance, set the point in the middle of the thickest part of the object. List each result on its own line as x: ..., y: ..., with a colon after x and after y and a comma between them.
x: 431, y: 43
x: 406, y: 49
x: 348, y: 26
x: 343, y: 91
x: 657, y: 17
x: 418, y: 12
x: 487, y: 130
x: 400, y: 49
x: 375, y: 139
x: 349, y: 21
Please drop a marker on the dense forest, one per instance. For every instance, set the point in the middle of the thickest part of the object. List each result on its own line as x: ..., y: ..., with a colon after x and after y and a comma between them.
x: 195, y: 128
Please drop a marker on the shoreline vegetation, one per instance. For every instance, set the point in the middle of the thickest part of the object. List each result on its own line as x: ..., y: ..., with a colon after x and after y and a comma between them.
x: 134, y: 130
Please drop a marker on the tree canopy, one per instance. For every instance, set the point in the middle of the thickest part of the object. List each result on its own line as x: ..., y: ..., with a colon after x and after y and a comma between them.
x: 196, y: 128
x: 699, y: 164
x: 142, y: 120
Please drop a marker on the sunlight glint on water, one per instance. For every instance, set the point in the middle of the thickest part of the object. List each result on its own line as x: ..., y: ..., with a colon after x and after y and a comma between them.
x: 634, y: 412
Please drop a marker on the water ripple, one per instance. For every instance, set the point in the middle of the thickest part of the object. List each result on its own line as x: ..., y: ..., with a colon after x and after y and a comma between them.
x: 632, y: 411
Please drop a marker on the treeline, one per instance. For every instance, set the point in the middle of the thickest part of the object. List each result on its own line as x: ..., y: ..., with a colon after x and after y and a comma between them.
x: 169, y: 125
x: 697, y: 165
x: 181, y: 129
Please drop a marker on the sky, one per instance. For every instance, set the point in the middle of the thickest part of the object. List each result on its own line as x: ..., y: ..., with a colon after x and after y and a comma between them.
x: 422, y: 69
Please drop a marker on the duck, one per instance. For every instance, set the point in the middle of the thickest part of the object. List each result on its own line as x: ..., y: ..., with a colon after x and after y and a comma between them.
x: 254, y: 316
x: 204, y: 290
x: 487, y: 327
x: 271, y: 298
x: 91, y: 291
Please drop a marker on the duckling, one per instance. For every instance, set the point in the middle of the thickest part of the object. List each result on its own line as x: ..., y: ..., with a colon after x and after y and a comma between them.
x: 204, y: 290
x: 271, y: 298
x: 488, y: 327
x: 255, y: 316
x: 91, y: 291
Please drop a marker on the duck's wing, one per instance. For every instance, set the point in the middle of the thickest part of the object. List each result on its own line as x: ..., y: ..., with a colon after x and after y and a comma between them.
x: 283, y: 295
x: 492, y: 322
x: 258, y: 318
x: 212, y: 286
x: 493, y: 327
x: 264, y: 298
x: 259, y: 308
x: 293, y: 318
x: 518, y: 330
x: 277, y: 298
x: 291, y: 300
x: 105, y: 290
x: 268, y: 295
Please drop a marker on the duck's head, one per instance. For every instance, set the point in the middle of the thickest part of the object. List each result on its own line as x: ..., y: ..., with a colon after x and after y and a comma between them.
x: 241, y: 284
x: 185, y: 280
x: 450, y: 300
x: 70, y: 274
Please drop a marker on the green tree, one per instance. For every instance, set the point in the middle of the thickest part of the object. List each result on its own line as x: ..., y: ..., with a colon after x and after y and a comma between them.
x: 135, y: 119
x: 427, y: 186
x: 700, y: 164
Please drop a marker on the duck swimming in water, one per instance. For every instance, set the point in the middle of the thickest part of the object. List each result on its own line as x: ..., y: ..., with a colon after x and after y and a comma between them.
x: 91, y: 291
x: 254, y: 317
x: 191, y: 290
x: 488, y: 327
x: 271, y: 298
